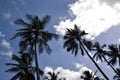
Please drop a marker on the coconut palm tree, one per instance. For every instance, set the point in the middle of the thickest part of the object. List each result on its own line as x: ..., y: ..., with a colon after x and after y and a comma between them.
x: 22, y: 68
x: 53, y: 76
x: 87, y: 75
x: 101, y: 53
x: 114, y: 54
x: 34, y: 37
x: 74, y: 41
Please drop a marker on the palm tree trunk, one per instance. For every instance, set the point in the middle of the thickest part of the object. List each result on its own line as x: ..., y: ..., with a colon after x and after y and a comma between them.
x: 110, y: 65
x: 36, y: 62
x: 94, y: 62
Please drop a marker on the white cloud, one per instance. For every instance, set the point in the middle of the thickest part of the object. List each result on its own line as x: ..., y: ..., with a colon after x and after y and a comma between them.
x: 7, y: 15
x: 2, y: 35
x: 5, y: 47
x: 78, y: 66
x: 4, y: 43
x: 92, y: 16
x: 67, y: 73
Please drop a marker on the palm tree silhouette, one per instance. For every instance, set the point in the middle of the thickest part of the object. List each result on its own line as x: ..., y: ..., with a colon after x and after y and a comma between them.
x: 53, y: 76
x: 34, y: 37
x: 22, y: 68
x: 87, y: 75
x: 74, y: 40
x: 114, y: 54
x: 101, y: 53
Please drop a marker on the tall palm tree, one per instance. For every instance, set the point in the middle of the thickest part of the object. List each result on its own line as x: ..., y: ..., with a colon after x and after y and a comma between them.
x: 34, y: 37
x: 101, y: 53
x: 74, y: 40
x: 22, y: 67
x: 114, y: 54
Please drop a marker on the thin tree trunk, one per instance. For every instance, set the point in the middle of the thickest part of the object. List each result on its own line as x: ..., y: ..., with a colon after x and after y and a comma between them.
x: 94, y: 62
x: 36, y: 62
x: 110, y: 65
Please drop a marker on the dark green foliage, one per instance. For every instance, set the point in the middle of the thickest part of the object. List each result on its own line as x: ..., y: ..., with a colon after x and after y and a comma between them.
x: 22, y: 68
x: 114, y: 54
x: 34, y: 32
x: 53, y: 76
x: 73, y: 40
x: 34, y: 37
x: 99, y: 51
x: 87, y: 75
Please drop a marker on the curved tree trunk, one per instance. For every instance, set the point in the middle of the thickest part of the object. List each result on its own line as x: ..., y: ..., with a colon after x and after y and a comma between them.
x: 94, y: 62
x: 36, y: 62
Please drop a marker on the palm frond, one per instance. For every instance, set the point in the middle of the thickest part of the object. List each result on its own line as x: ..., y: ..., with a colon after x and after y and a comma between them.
x: 44, y: 21
x: 113, y: 61
x: 11, y: 64
x: 18, y: 75
x: 16, y: 58
x: 81, y: 49
x: 13, y: 69
x: 43, y: 45
x: 21, y: 22
x: 29, y: 17
x: 88, y: 44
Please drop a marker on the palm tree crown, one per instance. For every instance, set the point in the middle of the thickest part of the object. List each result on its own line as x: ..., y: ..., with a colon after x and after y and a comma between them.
x: 73, y: 40
x: 87, y: 75
x: 34, y: 37
x: 23, y: 68
x: 100, y: 52
x: 34, y: 32
x: 114, y: 54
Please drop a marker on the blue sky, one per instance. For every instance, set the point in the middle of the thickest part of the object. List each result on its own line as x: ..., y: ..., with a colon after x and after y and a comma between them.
x: 100, y: 18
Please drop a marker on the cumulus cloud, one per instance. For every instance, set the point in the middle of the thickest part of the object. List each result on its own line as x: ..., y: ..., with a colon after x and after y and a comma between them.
x: 5, y: 47
x: 67, y: 73
x: 93, y: 16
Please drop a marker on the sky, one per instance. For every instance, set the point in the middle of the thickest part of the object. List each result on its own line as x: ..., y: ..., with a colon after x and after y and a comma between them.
x: 100, y: 18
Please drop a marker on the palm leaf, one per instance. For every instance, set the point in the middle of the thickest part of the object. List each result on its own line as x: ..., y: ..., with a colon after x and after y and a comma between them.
x: 18, y: 75
x: 11, y: 64
x: 81, y: 49
x: 13, y: 69
x: 43, y: 45
x: 21, y: 22
x: 44, y: 21
x: 16, y: 58
x: 29, y: 17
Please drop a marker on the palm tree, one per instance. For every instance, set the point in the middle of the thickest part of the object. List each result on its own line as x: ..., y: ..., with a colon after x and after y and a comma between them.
x: 74, y: 40
x: 34, y: 37
x: 114, y: 54
x: 53, y: 76
x: 101, y: 53
x: 117, y: 76
x: 22, y: 67
x: 87, y: 75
